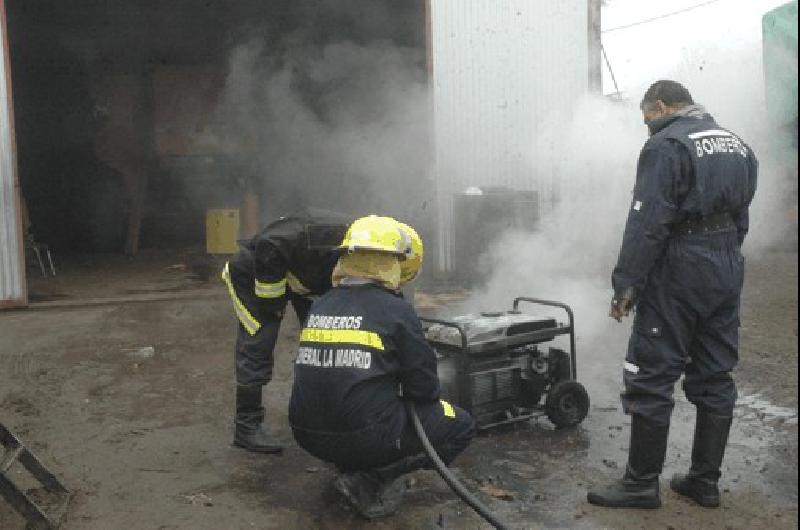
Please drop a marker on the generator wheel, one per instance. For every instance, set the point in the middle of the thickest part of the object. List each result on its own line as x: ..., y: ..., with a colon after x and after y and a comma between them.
x: 567, y: 404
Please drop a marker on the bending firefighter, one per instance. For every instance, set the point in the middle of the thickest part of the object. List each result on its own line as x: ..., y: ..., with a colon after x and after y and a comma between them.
x: 291, y: 260
x: 361, y: 354
x: 681, y: 265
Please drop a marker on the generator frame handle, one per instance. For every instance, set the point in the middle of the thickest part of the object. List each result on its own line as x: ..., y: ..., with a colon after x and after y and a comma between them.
x: 463, y: 360
x: 461, y: 331
x: 572, y: 355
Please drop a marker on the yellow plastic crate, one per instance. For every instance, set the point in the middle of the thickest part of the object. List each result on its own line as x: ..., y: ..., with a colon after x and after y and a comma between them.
x: 222, y: 230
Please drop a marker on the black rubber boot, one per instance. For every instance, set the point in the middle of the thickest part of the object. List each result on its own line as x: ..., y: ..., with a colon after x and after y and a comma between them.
x: 710, y: 438
x: 249, y: 432
x: 379, y: 492
x: 638, y: 488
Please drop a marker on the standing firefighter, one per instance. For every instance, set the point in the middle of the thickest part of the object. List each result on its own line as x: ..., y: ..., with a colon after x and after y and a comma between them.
x: 290, y: 260
x: 681, y: 266
x: 361, y: 354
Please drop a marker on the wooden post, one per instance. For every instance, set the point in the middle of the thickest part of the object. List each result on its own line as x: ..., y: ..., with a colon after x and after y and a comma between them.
x: 137, y: 208
x: 23, y: 299
x: 251, y: 218
x: 595, y: 46
x: 142, y: 167
x: 428, y: 41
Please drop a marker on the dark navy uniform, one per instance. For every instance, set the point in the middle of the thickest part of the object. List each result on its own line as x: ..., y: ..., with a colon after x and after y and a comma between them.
x: 681, y: 256
x: 291, y: 260
x: 361, y: 348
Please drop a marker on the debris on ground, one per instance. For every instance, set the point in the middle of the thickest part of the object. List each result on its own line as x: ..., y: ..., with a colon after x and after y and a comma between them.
x: 142, y: 353
x: 198, y: 499
x: 497, y: 493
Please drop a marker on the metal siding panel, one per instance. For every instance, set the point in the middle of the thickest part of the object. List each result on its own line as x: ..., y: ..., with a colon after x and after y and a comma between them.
x: 505, y: 72
x: 12, y: 274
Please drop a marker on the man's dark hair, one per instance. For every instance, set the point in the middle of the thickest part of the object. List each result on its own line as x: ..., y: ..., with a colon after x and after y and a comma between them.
x: 671, y: 93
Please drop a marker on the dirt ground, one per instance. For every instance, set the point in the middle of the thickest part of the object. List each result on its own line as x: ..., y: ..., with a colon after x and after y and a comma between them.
x: 131, y: 405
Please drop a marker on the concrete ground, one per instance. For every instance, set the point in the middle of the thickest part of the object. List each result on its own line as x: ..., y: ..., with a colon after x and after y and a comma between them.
x: 131, y: 405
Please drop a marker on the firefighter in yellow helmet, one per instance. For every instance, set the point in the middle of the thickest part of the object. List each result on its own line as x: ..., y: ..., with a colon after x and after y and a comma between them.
x: 361, y: 353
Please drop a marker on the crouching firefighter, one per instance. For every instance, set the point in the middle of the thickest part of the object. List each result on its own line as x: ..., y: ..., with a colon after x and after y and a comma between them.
x: 291, y: 260
x: 681, y: 266
x: 361, y: 354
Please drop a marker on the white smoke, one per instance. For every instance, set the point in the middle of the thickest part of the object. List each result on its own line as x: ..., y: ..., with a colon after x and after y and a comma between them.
x: 345, y: 124
x: 716, y: 50
x: 571, y: 257
x: 340, y: 125
x: 715, y: 77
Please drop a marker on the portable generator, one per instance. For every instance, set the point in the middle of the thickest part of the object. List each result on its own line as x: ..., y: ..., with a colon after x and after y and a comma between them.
x: 492, y: 365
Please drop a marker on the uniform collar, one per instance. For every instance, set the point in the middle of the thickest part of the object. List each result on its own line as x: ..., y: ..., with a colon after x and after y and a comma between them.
x: 697, y: 112
x: 693, y: 111
x: 658, y: 125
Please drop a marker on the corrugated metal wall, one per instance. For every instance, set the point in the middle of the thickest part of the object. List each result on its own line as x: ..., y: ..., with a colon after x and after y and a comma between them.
x: 502, y: 71
x: 12, y: 274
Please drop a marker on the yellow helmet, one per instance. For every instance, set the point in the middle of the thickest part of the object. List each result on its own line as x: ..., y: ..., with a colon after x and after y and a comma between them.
x: 409, y: 267
x: 380, y: 234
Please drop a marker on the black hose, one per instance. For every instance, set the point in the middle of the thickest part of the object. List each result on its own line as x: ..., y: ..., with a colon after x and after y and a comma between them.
x: 448, y: 477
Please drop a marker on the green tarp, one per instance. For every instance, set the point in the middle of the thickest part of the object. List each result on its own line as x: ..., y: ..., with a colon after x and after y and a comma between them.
x: 780, y: 74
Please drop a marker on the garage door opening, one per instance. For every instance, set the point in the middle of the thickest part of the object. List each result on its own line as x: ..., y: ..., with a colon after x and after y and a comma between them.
x: 134, y: 119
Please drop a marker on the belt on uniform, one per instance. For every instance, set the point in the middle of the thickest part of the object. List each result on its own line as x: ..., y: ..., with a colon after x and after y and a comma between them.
x: 712, y: 223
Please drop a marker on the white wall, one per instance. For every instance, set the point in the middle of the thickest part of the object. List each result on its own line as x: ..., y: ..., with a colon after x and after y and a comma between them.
x: 12, y: 275
x: 503, y: 70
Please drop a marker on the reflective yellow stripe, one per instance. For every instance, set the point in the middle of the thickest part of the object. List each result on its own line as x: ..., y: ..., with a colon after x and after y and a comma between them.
x: 250, y: 324
x: 270, y: 290
x: 448, y: 409
x: 345, y: 336
x: 296, y: 285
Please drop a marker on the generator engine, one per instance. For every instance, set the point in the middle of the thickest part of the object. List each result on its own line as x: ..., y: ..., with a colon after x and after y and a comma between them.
x: 494, y: 366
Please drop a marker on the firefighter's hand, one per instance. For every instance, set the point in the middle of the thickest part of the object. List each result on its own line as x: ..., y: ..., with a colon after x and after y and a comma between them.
x: 620, y: 308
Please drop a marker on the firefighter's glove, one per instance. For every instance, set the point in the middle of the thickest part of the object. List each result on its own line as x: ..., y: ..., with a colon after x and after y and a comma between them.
x: 621, y: 304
